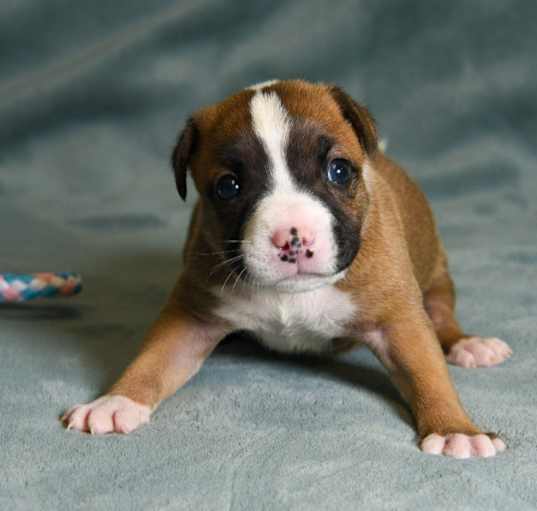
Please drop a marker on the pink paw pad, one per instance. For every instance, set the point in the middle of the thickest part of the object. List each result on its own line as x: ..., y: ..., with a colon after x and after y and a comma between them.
x: 108, y: 414
x: 460, y: 446
x: 479, y: 352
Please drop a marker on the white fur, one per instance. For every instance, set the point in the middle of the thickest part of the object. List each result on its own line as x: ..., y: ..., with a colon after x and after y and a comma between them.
x: 271, y: 123
x: 383, y: 144
x: 107, y: 414
x: 305, y: 321
x: 262, y: 85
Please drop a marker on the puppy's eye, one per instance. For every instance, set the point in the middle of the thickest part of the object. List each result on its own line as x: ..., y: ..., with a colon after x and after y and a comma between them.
x: 339, y: 172
x: 227, y: 187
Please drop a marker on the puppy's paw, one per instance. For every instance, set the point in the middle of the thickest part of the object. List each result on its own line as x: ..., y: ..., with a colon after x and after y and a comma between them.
x: 108, y: 414
x: 461, y: 446
x: 478, y: 352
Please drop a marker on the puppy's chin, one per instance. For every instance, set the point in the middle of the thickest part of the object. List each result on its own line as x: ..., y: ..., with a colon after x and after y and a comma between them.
x: 302, y: 282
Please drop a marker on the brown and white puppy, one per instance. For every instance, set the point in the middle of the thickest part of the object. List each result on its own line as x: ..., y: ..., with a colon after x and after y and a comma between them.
x: 309, y: 236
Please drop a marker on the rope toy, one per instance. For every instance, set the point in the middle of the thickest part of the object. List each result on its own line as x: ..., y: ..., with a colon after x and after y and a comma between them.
x: 21, y: 287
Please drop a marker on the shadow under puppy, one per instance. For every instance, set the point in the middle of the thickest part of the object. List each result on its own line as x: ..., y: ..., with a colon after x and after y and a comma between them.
x: 306, y: 234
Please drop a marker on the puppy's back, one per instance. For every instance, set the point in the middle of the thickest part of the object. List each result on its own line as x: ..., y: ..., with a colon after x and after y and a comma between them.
x: 420, y: 231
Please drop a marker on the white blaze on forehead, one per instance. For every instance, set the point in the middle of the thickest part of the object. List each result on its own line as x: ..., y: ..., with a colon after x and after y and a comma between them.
x: 262, y: 85
x: 271, y: 124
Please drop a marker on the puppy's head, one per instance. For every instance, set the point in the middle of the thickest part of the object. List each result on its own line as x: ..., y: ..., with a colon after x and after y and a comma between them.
x: 279, y: 168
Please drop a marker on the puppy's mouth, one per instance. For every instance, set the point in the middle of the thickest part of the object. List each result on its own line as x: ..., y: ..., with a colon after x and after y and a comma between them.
x: 306, y: 281
x: 302, y: 276
x: 294, y: 258
x: 297, y: 282
x: 236, y: 274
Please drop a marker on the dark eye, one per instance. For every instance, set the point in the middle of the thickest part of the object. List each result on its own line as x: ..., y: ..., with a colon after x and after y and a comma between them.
x: 339, y: 172
x: 227, y: 187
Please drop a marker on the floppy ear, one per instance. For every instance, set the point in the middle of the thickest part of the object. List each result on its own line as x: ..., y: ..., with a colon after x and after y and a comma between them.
x: 359, y: 118
x: 182, y: 154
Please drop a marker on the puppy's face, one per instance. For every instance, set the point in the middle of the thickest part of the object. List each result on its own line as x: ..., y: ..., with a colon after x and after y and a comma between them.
x: 280, y: 172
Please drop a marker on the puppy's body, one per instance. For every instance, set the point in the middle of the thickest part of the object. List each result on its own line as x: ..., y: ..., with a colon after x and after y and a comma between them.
x: 308, y: 236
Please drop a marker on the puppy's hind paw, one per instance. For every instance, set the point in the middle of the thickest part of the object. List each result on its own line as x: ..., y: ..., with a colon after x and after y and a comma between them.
x: 478, y: 352
x: 461, y: 446
x: 108, y: 414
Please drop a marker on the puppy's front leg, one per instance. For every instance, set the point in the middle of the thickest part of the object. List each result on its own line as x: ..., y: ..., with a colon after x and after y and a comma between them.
x: 173, y: 351
x: 407, y: 346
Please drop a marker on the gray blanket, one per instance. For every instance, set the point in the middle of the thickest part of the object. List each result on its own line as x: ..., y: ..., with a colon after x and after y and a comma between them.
x: 92, y: 95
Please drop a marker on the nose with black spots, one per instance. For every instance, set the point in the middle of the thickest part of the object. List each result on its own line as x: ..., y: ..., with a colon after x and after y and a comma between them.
x: 293, y: 243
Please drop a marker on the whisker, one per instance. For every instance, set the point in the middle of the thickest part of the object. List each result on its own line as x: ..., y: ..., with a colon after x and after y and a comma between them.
x: 254, y: 282
x: 227, y: 261
x: 219, y: 252
x: 237, y: 279
x: 225, y: 281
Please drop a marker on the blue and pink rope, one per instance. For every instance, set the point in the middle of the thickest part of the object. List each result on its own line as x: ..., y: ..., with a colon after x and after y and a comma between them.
x: 21, y: 287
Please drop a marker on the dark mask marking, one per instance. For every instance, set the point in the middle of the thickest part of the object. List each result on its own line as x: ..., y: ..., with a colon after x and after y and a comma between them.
x: 306, y: 155
x: 245, y: 157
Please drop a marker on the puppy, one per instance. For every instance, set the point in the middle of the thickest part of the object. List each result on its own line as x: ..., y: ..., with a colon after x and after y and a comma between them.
x: 307, y: 235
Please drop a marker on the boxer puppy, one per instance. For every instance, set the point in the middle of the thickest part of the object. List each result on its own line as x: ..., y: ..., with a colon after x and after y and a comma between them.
x: 307, y: 235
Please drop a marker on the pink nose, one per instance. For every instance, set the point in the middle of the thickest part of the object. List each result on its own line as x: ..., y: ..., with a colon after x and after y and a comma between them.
x: 292, y: 237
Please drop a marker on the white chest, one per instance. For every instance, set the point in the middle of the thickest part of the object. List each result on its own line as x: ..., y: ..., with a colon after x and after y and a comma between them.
x: 288, y: 322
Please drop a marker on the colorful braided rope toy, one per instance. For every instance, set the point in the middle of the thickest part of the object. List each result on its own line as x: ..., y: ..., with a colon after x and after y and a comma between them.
x: 21, y: 287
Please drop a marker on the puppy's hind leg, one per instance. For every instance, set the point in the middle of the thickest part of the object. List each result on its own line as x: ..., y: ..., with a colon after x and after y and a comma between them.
x: 461, y: 349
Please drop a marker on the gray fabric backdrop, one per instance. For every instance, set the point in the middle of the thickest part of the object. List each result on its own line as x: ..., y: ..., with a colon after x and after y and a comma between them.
x: 92, y: 95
